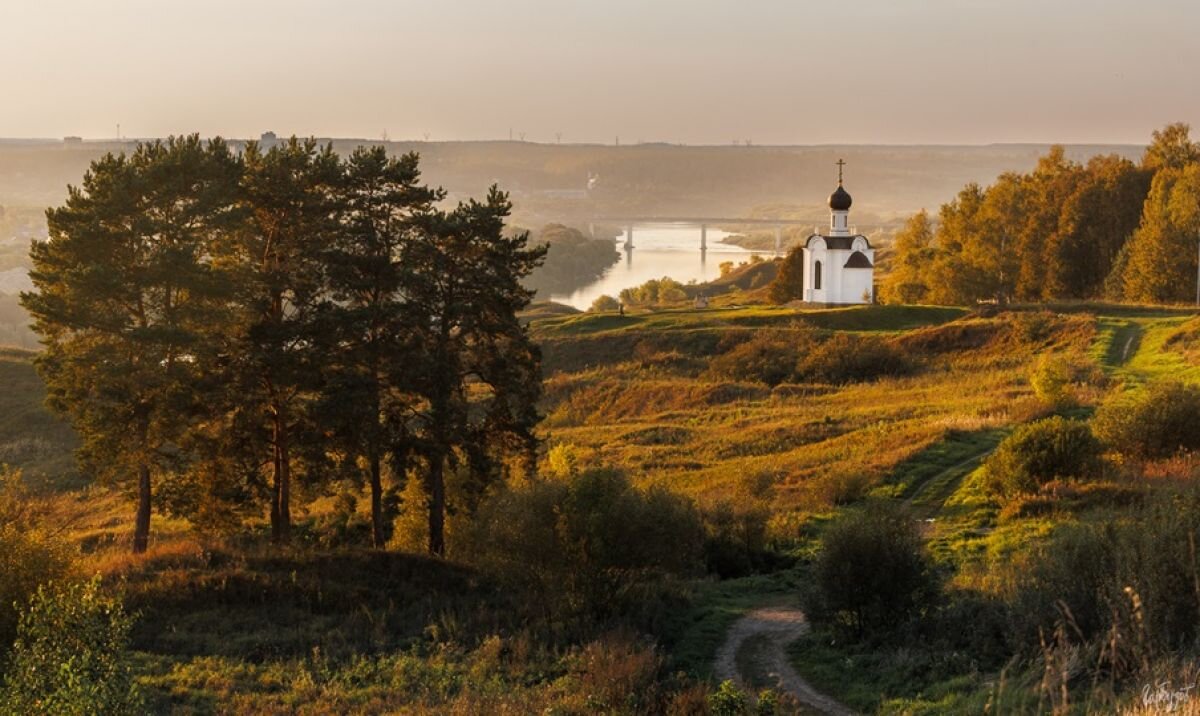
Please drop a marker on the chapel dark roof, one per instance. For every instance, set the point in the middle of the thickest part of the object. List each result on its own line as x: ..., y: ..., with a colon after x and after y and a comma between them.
x: 840, y: 199
x: 858, y: 260
x: 833, y: 243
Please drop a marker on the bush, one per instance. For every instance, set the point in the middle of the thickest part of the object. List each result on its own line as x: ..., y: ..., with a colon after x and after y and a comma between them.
x: 768, y: 357
x: 605, y: 304
x: 71, y: 655
x: 655, y: 292
x: 28, y: 558
x: 736, y: 543
x: 27, y: 561
x: 588, y: 548
x: 1037, y: 453
x: 1051, y: 381
x: 847, y: 358
x: 872, y: 572
x: 1153, y: 423
x: 345, y: 525
x: 728, y: 700
x: 1124, y: 584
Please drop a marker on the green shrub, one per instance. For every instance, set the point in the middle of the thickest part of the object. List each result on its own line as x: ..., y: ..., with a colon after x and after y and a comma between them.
x: 70, y: 657
x: 1156, y: 422
x: 345, y: 524
x: 768, y: 357
x: 788, y: 284
x: 587, y: 548
x: 736, y: 542
x: 1037, y: 453
x: 728, y: 700
x: 605, y: 304
x: 1122, y: 585
x: 1051, y: 380
x: 872, y: 572
x: 848, y: 358
x: 655, y: 292
x: 28, y: 557
x: 27, y: 561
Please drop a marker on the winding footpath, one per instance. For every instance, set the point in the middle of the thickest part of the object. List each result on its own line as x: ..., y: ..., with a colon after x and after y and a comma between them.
x: 779, y: 626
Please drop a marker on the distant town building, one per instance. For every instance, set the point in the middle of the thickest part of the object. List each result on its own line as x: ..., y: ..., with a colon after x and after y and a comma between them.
x: 72, y: 141
x: 839, y: 267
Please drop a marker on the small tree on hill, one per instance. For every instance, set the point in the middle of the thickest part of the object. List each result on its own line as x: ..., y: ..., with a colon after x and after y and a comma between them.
x: 908, y: 281
x: 789, y: 281
x: 605, y: 304
x: 873, y: 572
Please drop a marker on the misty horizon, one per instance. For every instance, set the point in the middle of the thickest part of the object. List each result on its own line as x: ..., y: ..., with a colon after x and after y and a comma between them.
x: 775, y: 74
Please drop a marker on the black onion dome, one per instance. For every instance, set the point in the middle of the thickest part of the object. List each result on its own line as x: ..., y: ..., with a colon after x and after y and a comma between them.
x: 840, y: 199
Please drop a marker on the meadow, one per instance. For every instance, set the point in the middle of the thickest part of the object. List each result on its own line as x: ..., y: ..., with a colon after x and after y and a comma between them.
x: 682, y: 400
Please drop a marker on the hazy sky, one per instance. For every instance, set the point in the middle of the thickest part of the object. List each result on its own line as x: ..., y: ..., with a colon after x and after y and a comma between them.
x: 695, y: 71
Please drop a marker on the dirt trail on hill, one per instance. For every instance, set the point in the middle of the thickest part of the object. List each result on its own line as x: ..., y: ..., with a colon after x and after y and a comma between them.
x: 919, y: 497
x: 779, y: 626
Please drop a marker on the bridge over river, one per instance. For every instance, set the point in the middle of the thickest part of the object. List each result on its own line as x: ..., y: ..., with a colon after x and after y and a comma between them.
x: 702, y: 223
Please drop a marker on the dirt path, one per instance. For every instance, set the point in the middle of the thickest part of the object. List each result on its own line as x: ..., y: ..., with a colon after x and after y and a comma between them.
x: 778, y: 627
x: 943, y: 484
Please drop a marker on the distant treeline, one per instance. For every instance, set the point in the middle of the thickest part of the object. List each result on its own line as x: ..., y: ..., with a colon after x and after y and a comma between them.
x: 227, y: 330
x: 1110, y: 228
x: 573, y: 260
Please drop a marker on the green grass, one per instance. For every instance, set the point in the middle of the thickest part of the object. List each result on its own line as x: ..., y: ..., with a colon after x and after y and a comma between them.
x: 1116, y: 341
x: 1153, y: 360
x: 872, y: 679
x: 927, y: 475
x: 855, y: 318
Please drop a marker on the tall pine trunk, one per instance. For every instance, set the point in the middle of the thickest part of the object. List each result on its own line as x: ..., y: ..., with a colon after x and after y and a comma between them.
x: 437, y: 504
x: 275, y: 492
x: 281, y: 514
x: 377, y: 501
x: 141, y: 530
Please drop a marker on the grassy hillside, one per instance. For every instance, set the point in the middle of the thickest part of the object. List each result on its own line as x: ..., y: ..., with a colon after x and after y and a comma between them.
x: 638, y: 391
x: 31, y: 438
x: 228, y: 623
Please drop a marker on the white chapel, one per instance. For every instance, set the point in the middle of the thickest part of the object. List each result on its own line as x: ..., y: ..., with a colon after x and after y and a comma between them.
x: 839, y: 267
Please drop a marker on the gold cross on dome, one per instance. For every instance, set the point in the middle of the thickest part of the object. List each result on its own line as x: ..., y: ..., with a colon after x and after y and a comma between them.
x: 840, y: 163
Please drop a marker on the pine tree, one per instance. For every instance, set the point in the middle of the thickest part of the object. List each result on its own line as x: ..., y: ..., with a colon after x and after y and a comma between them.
x: 477, y: 369
x: 269, y: 358
x: 123, y: 292
x: 367, y: 388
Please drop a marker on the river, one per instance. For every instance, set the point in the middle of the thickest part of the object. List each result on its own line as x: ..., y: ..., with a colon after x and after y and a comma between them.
x: 659, y: 251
